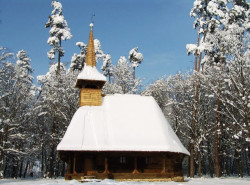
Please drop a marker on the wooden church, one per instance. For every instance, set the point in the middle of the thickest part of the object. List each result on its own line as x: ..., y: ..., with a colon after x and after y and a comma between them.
x: 122, y: 137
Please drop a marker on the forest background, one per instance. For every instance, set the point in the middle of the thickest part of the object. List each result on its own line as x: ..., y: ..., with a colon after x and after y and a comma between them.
x: 208, y: 107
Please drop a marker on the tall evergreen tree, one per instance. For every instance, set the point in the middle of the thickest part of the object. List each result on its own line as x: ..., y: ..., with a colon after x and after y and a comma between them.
x: 59, y: 31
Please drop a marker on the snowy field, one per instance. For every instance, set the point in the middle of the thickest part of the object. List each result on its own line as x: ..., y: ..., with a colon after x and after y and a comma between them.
x: 195, y: 181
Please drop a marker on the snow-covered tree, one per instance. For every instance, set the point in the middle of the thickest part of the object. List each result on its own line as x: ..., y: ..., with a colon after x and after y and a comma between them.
x: 7, y: 72
x: 123, y: 77
x: 135, y: 58
x: 107, y: 66
x: 17, y: 95
x: 99, y: 54
x: 59, y: 31
x: 222, y: 38
x: 122, y: 81
x: 49, y: 112
x: 208, y: 16
x: 25, y: 94
x: 23, y: 68
x: 55, y: 107
x: 78, y: 60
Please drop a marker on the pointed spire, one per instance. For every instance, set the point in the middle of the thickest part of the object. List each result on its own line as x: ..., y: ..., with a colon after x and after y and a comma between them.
x: 90, y: 59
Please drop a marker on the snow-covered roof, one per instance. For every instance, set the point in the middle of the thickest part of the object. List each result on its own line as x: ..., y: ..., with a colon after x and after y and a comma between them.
x: 122, y: 123
x: 91, y: 73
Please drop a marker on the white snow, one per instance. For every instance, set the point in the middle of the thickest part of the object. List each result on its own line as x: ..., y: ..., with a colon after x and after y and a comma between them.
x: 91, y: 73
x: 56, y: 5
x: 122, y: 123
x: 52, y: 40
x: 213, y: 8
x: 81, y: 44
x: 191, y: 48
x: 197, y: 4
x: 194, y: 181
x: 58, y: 19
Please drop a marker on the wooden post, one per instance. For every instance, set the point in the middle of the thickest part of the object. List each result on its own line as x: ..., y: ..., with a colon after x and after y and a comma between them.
x: 106, y: 170
x: 163, y: 165
x: 135, y: 166
x: 74, y: 164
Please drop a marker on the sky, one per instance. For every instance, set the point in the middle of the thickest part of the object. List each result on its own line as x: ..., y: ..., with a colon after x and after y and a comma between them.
x: 159, y: 28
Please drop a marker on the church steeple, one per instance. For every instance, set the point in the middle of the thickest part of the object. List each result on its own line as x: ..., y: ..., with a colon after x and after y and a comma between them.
x: 90, y: 58
x: 90, y: 81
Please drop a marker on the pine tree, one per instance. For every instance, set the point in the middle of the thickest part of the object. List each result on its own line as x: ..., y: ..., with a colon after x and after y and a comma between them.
x: 123, y: 77
x: 78, y: 60
x: 135, y: 58
x: 59, y: 31
x: 18, y: 93
x: 7, y: 73
x: 107, y: 66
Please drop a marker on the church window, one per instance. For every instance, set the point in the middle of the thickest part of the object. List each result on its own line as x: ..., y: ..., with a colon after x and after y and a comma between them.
x: 122, y: 160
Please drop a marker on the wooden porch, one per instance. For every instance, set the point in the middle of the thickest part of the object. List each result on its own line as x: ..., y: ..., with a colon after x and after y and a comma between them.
x: 136, y: 166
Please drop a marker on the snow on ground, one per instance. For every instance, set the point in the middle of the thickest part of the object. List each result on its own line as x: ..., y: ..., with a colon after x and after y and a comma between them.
x: 195, y: 181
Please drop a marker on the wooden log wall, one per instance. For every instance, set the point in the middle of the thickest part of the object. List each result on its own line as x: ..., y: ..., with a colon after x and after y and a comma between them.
x: 90, y: 97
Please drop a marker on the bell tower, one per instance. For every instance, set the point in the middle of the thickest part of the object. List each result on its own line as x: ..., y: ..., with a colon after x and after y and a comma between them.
x: 90, y: 81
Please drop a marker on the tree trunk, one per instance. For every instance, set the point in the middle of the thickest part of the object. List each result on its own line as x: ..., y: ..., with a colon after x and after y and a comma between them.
x: 63, y: 169
x: 191, y: 163
x: 240, y: 166
x: 204, y: 166
x: 246, y: 161
x: 52, y: 150
x: 194, y: 113
x: 42, y: 168
x: 227, y: 166
x: 46, y: 163
x: 59, y: 57
x: 188, y: 167
x: 5, y: 167
x: 193, y: 126
x: 26, y: 168
x: 2, y: 164
x: 14, y: 169
x: 57, y: 168
x: 210, y: 162
x: 134, y: 73
x: 217, y: 139
x: 21, y: 169
x: 199, y: 164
